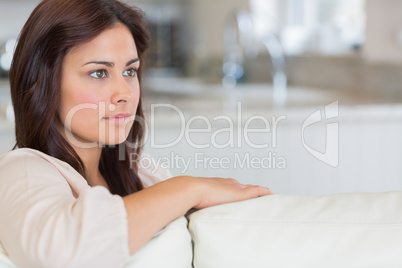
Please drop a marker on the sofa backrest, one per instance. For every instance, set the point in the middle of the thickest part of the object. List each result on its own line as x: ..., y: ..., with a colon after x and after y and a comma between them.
x: 340, y: 230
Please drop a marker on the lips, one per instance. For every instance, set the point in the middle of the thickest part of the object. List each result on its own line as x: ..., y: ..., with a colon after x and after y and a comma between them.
x: 118, y: 118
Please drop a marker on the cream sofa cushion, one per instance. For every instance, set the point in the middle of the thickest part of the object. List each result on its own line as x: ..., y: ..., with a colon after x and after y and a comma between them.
x: 170, y: 248
x: 340, y: 230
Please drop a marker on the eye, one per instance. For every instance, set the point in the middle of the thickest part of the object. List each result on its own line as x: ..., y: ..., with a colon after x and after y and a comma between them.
x: 99, y: 74
x: 130, y: 72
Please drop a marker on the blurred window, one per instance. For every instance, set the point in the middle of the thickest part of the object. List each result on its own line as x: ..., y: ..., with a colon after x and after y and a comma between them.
x: 312, y: 26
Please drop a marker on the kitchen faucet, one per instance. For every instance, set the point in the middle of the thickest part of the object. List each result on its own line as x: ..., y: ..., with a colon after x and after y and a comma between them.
x: 239, y: 42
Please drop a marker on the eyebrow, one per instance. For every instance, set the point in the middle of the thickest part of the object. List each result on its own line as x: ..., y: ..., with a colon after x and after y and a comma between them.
x: 111, y: 64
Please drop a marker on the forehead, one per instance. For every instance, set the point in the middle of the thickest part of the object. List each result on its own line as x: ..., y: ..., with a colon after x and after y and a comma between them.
x: 113, y: 42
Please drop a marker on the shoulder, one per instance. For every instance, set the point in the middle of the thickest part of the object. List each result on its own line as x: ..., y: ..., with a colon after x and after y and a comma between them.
x: 28, y: 157
x: 21, y: 153
x: 29, y: 162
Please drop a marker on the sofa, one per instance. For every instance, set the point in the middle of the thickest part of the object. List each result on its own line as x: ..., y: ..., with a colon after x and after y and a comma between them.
x: 338, y: 230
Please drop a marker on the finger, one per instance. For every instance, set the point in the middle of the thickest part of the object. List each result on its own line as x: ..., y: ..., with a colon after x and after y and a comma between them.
x: 255, y: 190
x: 266, y: 190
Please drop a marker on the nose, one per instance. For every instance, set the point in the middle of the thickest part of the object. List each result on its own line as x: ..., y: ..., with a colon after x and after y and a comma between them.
x: 122, y: 91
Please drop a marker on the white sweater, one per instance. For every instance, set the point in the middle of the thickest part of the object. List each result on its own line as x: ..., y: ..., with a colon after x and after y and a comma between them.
x: 51, y: 217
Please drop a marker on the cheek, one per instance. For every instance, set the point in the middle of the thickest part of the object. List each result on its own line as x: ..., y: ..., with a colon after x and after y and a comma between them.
x: 79, y: 105
x: 84, y: 97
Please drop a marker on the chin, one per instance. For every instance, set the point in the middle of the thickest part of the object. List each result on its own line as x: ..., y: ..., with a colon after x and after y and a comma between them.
x: 114, y: 140
x: 115, y: 137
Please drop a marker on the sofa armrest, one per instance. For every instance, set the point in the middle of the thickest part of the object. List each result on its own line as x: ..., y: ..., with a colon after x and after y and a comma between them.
x: 339, y: 230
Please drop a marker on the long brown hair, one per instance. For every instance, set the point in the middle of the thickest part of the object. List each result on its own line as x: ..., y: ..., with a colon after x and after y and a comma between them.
x: 52, y: 30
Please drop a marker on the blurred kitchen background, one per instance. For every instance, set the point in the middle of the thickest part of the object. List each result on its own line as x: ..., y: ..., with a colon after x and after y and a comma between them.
x: 274, y: 58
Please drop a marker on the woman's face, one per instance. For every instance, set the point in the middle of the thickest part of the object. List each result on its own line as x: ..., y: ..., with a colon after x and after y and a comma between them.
x: 100, y: 90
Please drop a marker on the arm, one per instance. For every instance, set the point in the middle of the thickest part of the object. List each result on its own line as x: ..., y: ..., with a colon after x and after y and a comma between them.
x: 43, y: 224
x: 152, y: 208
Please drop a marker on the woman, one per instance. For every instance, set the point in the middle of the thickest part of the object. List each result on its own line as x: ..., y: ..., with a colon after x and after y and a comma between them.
x: 69, y: 194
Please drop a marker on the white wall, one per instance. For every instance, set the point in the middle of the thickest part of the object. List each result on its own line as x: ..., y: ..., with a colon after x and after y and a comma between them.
x: 13, y: 14
x: 208, y: 20
x: 384, y: 24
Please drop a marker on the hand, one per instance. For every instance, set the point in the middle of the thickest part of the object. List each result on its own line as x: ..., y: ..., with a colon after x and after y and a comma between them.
x: 150, y: 209
x: 215, y: 191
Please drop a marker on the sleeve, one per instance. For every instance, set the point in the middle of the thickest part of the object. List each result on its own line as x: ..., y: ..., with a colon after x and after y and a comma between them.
x: 152, y: 170
x: 42, y: 223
